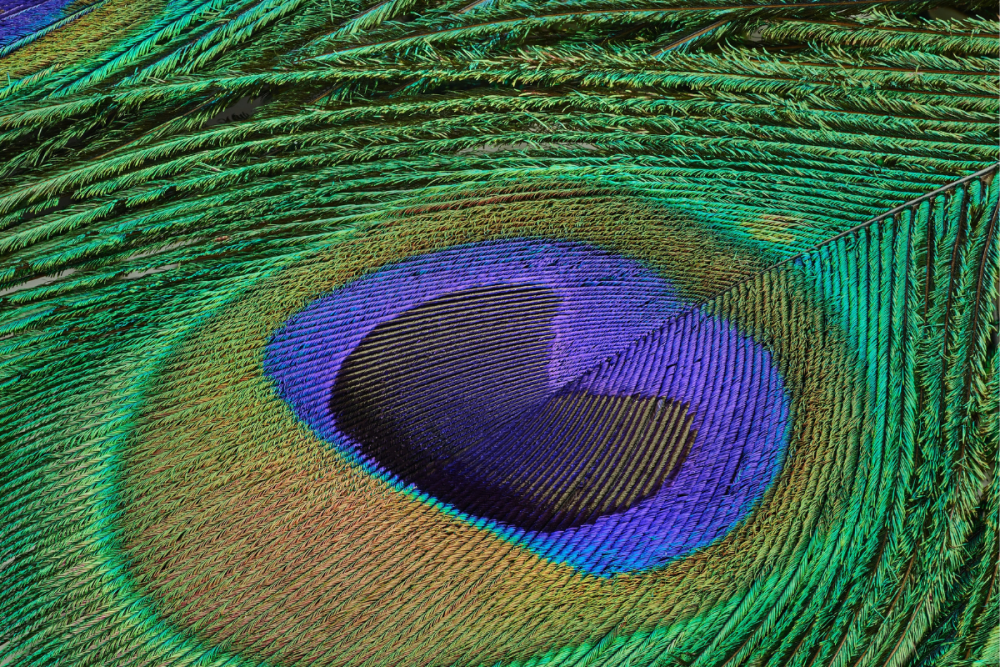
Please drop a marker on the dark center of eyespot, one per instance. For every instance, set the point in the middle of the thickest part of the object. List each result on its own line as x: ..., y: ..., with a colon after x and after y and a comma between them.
x: 453, y: 397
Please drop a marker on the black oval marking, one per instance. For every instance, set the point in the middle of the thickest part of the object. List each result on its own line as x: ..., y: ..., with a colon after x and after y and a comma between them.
x: 452, y: 396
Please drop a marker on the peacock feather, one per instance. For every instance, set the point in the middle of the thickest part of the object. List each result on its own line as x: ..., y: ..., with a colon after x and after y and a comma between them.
x: 499, y: 333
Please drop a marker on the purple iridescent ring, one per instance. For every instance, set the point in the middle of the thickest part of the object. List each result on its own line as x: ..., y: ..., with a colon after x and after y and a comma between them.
x: 563, y: 397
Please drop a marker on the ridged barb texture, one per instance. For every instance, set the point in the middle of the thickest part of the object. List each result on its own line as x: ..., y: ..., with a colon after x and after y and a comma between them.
x: 499, y: 333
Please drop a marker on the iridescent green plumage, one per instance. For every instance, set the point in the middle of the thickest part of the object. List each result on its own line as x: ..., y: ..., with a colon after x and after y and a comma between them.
x: 178, y: 179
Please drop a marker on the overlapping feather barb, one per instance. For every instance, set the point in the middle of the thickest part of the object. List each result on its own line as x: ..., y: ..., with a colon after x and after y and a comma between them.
x: 180, y: 182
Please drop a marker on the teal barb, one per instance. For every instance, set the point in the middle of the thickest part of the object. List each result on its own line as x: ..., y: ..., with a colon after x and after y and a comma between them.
x: 499, y: 333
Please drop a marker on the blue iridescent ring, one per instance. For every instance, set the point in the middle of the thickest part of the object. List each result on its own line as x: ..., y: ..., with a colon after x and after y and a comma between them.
x: 563, y: 397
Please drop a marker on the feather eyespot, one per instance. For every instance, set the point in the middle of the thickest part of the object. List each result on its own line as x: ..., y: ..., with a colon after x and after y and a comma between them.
x: 562, y: 394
